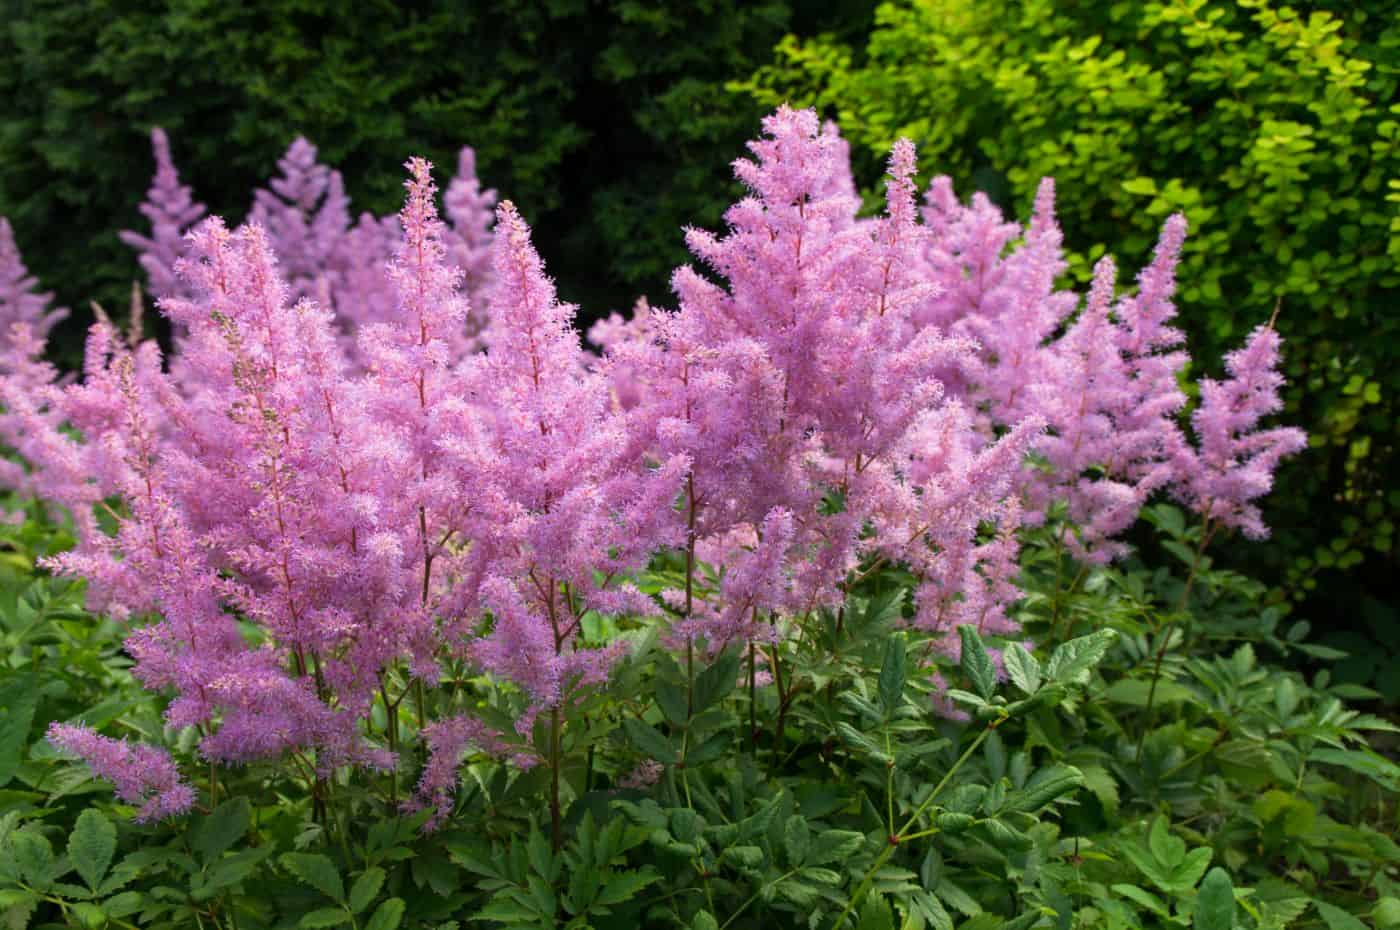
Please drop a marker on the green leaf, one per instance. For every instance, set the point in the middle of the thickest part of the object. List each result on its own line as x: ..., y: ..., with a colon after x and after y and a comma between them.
x: 1072, y: 662
x: 1167, y: 849
x: 387, y: 915
x: 89, y: 915
x: 365, y: 888
x: 317, y: 871
x: 35, y: 858
x: 235, y: 868
x: 91, y: 846
x: 744, y: 857
x: 834, y: 845
x: 704, y: 920
x: 875, y: 914
x: 1043, y: 787
x: 325, y: 917
x: 1336, y: 918
x: 1143, y: 897
x: 1135, y: 692
x: 1364, y: 762
x: 1102, y: 785
x: 716, y: 681
x: 1004, y: 836
x: 1022, y: 668
x: 1386, y: 914
x: 624, y: 886
x: 685, y: 824
x: 893, y: 671
x: 670, y: 697
x: 976, y: 664
x: 215, y: 833
x: 797, y: 837
x: 647, y: 739
x: 1215, y: 902
x: 1189, y: 872
x: 18, y: 699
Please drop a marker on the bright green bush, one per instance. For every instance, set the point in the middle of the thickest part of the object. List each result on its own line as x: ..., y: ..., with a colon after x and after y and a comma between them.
x: 607, y: 119
x: 1274, y: 128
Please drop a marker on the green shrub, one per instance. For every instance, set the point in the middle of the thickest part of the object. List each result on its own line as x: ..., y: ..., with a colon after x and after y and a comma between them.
x: 1275, y: 129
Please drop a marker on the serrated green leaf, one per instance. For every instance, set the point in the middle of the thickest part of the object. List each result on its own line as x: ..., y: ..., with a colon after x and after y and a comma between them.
x: 670, y: 697
x: 1072, y: 662
x: 215, y: 833
x: 325, y: 917
x: 797, y: 838
x: 976, y: 664
x: 18, y: 699
x: 91, y: 846
x: 1022, y: 668
x: 834, y: 845
x: 624, y: 886
x: 745, y: 857
x: 1336, y: 918
x: 1043, y: 787
x: 650, y: 741
x: 1215, y: 902
x: 893, y: 672
x: 317, y: 871
x: 387, y: 915
x: 715, y: 682
x: 1364, y: 762
x: 1189, y: 872
x: 34, y: 857
x: 875, y: 914
x: 363, y: 892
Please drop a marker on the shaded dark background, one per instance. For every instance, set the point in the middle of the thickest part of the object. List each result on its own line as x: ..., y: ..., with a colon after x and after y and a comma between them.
x: 606, y: 121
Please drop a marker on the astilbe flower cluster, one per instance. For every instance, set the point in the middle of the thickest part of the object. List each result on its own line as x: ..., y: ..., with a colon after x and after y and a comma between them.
x: 342, y: 456
x: 142, y: 775
x: 305, y: 213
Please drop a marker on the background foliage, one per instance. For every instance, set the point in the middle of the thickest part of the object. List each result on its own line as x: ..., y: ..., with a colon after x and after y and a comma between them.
x: 605, y: 120
x: 1273, y: 127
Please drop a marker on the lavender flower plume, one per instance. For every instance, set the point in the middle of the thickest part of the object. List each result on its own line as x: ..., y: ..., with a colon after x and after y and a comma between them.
x: 142, y: 775
x: 172, y: 211
x: 1234, y: 460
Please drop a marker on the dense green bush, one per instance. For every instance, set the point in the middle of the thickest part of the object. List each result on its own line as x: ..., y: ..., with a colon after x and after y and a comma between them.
x: 1095, y: 787
x: 1274, y: 128
x: 605, y: 118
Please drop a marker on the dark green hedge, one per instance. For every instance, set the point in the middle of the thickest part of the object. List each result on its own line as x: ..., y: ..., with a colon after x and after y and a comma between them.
x: 1275, y: 128
x: 605, y: 120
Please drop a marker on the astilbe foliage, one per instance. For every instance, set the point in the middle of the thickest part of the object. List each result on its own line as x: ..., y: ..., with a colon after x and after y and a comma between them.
x: 340, y: 485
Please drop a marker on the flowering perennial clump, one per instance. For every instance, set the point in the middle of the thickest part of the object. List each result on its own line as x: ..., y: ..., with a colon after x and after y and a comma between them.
x: 346, y: 491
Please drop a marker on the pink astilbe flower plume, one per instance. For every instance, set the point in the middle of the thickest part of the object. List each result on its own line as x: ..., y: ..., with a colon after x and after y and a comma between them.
x: 142, y: 775
x: 172, y: 211
x: 21, y: 303
x: 560, y: 501
x: 1234, y: 460
x: 448, y: 740
x: 470, y: 212
x: 306, y: 215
